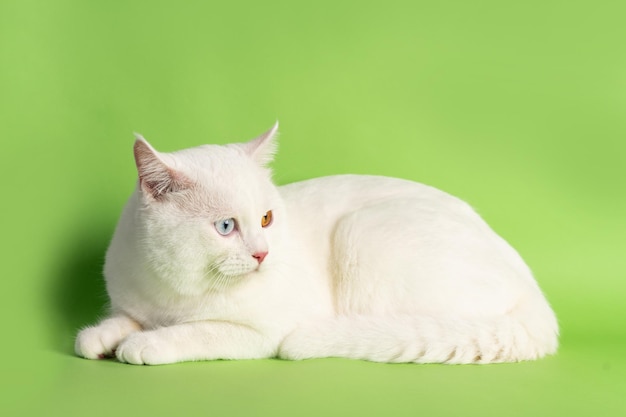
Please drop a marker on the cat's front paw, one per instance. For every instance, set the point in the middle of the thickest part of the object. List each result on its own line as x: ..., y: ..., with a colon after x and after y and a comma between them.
x: 98, y: 342
x: 146, y: 348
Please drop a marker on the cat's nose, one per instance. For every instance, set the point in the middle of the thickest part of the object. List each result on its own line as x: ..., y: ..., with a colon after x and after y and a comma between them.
x: 259, y: 256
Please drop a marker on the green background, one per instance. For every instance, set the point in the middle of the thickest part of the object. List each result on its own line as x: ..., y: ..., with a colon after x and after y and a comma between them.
x: 518, y: 107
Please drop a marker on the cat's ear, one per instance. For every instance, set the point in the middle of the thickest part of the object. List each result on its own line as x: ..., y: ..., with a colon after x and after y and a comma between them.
x: 156, y: 178
x: 263, y: 147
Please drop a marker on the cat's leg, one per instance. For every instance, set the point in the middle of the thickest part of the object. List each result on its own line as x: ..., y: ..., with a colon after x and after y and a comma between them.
x: 100, y: 341
x: 195, y: 341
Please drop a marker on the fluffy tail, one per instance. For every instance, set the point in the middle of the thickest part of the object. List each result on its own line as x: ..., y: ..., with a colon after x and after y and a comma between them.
x: 424, y: 339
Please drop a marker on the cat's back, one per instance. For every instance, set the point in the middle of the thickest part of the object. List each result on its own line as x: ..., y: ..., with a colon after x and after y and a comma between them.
x: 333, y: 196
x: 409, y: 216
x: 421, y: 236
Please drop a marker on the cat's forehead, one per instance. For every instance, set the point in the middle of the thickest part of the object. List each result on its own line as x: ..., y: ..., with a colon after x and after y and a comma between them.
x: 208, y: 163
x: 227, y: 180
x: 234, y: 198
x: 210, y: 154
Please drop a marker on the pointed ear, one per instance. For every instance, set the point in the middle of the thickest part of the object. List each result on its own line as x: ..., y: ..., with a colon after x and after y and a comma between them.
x: 263, y: 147
x: 156, y: 178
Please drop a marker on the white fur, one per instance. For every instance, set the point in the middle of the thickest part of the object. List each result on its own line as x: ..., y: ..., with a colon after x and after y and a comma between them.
x: 360, y: 267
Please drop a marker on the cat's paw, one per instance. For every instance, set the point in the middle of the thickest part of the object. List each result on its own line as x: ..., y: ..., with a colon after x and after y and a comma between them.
x: 99, y: 342
x: 146, y: 348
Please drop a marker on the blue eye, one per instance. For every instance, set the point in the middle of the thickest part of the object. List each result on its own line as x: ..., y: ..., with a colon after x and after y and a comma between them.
x: 225, y: 227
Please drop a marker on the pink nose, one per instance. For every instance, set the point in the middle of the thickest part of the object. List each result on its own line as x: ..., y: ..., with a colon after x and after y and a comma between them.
x: 259, y: 256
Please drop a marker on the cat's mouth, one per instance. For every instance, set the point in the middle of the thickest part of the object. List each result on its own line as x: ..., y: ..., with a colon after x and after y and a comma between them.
x: 235, y: 269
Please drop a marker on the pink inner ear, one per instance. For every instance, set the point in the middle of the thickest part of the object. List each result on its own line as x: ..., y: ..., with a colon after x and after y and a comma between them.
x: 155, y: 177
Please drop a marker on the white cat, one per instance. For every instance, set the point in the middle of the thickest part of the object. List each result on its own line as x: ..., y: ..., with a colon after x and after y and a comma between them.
x: 210, y: 260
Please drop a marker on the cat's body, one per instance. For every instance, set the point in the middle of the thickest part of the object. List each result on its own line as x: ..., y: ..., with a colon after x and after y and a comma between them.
x: 354, y: 266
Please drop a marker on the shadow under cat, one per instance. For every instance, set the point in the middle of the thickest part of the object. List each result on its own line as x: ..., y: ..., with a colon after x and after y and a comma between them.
x: 78, y: 295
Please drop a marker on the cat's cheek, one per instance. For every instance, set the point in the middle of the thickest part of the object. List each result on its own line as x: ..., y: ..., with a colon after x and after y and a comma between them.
x: 146, y: 348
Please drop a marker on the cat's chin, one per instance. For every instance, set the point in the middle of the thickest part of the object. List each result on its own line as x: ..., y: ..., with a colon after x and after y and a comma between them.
x: 225, y: 284
x: 248, y: 274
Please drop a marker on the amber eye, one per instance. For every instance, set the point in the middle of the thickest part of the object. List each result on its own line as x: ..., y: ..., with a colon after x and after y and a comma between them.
x: 267, y: 219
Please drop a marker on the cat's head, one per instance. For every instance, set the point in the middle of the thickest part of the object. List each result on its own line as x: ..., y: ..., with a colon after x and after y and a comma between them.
x: 209, y: 216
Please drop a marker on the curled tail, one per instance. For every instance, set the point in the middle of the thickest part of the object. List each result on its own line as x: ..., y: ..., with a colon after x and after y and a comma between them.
x: 426, y: 339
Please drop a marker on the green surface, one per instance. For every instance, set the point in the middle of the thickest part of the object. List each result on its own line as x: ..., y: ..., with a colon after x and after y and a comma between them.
x: 517, y: 107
